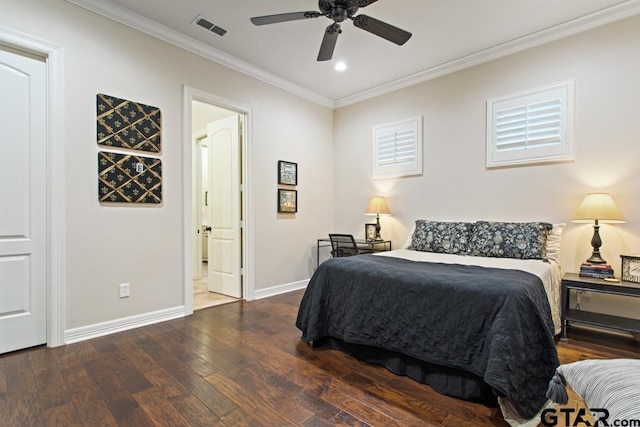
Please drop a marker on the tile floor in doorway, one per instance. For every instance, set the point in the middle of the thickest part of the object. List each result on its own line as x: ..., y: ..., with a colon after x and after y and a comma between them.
x: 202, y: 298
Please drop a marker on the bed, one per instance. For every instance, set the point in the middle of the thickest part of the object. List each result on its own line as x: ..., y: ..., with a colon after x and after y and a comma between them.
x: 458, y: 310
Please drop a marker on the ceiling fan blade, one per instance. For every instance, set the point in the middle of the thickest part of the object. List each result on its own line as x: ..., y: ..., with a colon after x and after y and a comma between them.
x: 283, y: 17
x: 382, y: 29
x: 364, y: 3
x: 329, y: 42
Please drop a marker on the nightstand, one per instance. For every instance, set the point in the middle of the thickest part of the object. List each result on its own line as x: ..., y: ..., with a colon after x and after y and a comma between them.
x: 572, y: 281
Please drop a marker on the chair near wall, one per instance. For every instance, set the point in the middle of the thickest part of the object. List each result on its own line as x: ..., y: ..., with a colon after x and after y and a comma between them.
x: 344, y: 245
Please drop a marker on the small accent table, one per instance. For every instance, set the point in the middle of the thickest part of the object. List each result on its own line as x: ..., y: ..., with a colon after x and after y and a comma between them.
x: 572, y: 281
x: 367, y: 245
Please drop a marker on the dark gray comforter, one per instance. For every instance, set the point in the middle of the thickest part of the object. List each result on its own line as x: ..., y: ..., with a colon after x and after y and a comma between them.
x: 494, y: 323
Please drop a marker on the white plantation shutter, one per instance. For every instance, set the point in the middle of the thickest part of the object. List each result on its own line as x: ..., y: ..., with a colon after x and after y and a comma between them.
x: 397, y: 149
x: 533, y: 127
x: 396, y: 145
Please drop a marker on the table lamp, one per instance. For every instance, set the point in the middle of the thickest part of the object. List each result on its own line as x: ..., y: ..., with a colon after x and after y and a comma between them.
x: 377, y: 206
x: 598, y: 207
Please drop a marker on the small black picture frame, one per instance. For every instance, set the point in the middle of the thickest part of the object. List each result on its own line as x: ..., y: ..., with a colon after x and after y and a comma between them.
x: 287, y: 201
x: 370, y: 232
x: 287, y: 173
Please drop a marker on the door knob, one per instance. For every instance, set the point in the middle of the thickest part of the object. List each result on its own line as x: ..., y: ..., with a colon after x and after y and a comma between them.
x: 207, y: 228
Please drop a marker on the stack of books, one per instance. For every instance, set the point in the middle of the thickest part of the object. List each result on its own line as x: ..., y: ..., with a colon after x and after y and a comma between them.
x: 600, y: 271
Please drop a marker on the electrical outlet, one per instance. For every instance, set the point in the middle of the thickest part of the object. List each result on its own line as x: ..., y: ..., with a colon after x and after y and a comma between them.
x: 125, y: 288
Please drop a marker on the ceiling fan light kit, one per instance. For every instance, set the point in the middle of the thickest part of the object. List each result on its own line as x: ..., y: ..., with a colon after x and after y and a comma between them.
x: 339, y: 11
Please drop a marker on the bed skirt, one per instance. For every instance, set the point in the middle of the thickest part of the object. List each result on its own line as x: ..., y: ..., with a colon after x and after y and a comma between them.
x: 446, y: 381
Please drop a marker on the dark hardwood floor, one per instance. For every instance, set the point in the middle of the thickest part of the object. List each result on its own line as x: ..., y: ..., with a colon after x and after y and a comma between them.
x: 240, y: 364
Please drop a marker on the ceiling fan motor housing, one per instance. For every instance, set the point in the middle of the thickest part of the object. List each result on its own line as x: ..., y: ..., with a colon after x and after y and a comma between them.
x: 337, y: 10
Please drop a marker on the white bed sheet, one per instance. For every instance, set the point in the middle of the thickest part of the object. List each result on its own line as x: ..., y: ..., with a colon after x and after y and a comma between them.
x: 549, y: 272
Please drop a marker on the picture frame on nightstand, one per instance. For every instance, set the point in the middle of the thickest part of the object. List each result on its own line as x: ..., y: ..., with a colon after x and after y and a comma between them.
x: 370, y: 232
x: 630, y: 268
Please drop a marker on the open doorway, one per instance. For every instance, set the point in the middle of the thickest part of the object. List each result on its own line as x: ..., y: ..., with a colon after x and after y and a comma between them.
x: 217, y: 135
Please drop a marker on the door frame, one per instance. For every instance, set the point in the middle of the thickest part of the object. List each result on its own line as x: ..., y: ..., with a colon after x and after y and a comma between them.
x: 53, y: 57
x: 248, y: 242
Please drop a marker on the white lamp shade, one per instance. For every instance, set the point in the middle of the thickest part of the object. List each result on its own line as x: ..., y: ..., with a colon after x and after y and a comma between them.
x: 377, y: 205
x: 598, y: 206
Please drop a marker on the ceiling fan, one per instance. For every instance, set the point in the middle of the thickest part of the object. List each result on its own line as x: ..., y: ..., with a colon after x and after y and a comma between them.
x: 339, y: 11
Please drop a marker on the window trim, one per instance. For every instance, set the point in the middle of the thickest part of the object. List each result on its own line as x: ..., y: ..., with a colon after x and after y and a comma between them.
x: 539, y: 153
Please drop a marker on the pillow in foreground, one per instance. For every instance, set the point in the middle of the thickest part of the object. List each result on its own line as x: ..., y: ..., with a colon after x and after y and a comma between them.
x: 612, y: 384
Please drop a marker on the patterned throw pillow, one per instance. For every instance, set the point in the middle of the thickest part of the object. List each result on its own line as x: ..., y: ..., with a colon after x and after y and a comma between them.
x: 525, y: 240
x: 441, y: 237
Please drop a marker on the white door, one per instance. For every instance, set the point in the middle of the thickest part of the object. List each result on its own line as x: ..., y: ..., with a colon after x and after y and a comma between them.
x: 23, y: 207
x: 204, y: 197
x: 224, y: 252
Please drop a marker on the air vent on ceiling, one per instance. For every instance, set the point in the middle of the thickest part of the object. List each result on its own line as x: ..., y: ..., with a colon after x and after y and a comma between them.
x: 205, y: 23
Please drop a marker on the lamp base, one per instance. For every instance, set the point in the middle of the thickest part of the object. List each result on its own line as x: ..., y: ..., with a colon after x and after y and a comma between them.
x: 596, y: 242
x: 595, y: 258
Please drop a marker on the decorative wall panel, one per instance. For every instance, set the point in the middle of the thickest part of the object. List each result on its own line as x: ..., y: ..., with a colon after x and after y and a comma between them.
x: 128, y: 124
x: 126, y: 178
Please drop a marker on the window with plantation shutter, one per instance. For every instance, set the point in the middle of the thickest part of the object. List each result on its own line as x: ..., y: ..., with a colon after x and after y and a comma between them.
x: 397, y: 149
x: 533, y: 127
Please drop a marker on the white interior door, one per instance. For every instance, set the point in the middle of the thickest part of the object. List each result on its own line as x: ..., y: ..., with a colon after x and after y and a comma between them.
x: 205, y: 193
x: 224, y: 252
x: 23, y: 207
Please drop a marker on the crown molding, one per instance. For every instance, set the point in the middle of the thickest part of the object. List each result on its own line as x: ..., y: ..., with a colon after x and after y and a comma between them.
x: 126, y: 17
x: 138, y: 22
x: 557, y: 32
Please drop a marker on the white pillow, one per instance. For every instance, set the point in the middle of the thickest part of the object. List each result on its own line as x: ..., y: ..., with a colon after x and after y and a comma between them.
x: 610, y: 384
x: 553, y: 242
x: 408, y: 242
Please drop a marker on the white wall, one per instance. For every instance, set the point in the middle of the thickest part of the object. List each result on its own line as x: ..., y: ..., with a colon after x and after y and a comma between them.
x: 455, y: 185
x: 107, y: 245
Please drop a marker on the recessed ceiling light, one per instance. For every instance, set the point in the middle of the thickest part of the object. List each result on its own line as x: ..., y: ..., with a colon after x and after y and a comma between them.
x: 340, y: 66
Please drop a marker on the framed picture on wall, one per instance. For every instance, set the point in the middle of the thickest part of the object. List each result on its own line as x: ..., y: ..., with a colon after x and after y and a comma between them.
x: 370, y: 232
x: 287, y: 201
x: 287, y: 173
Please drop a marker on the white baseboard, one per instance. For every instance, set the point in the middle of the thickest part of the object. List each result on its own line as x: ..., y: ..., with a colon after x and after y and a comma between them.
x: 280, y: 289
x: 119, y: 325
x: 101, y: 329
